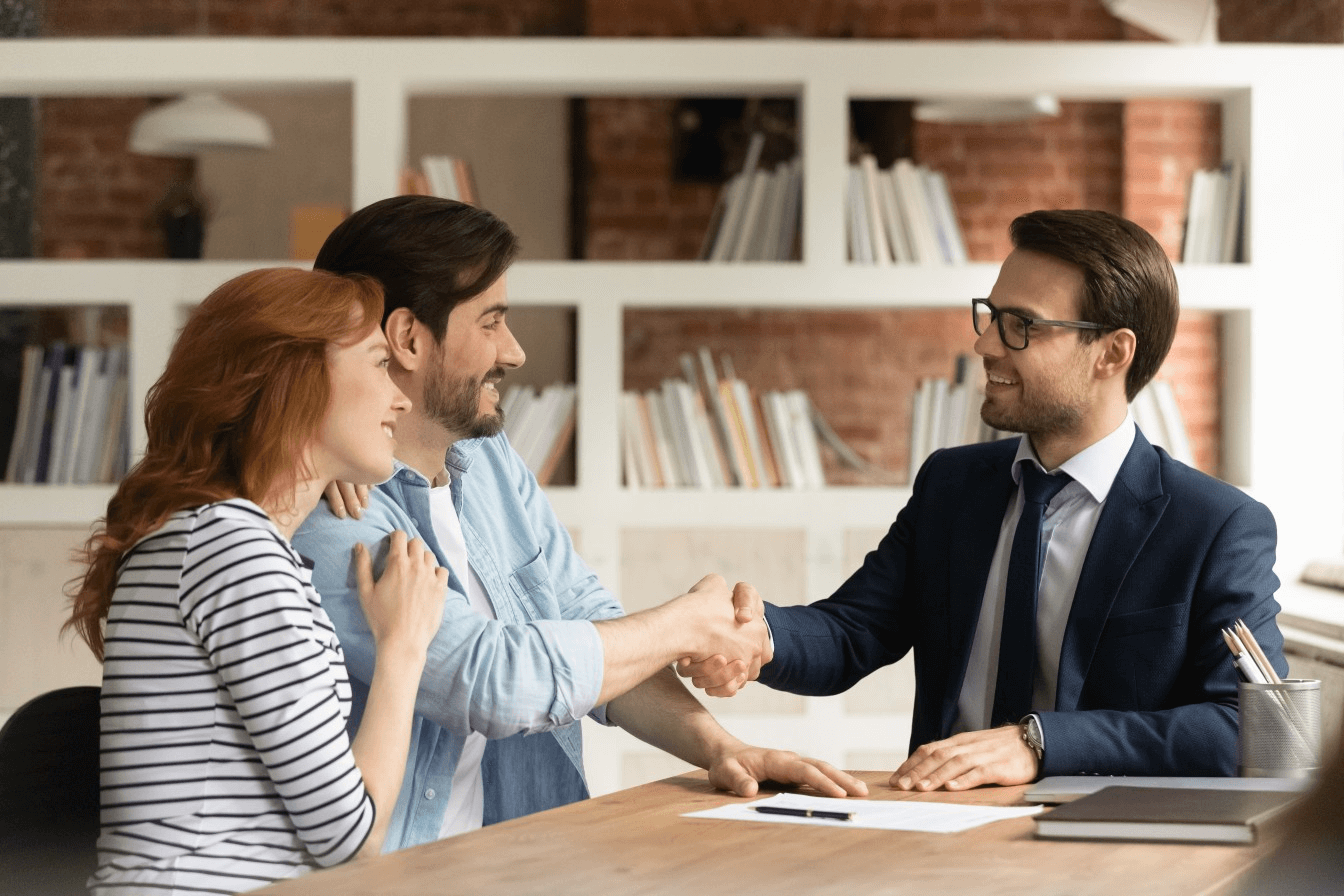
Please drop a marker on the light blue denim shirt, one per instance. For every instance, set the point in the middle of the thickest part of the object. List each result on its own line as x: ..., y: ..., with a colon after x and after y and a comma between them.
x: 523, y: 680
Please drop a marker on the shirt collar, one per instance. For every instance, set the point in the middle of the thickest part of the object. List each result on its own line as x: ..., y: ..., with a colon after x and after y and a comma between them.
x: 458, y: 461
x: 1095, y: 467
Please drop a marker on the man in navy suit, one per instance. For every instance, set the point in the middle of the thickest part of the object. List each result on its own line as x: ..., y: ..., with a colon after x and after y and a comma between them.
x: 1119, y: 667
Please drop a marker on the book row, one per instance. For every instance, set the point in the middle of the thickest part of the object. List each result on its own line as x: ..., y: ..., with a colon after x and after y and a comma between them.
x: 945, y: 412
x: 447, y: 177
x: 757, y: 212
x: 539, y: 424
x: 71, y: 424
x: 1213, y: 215
x: 901, y: 215
x: 710, y: 430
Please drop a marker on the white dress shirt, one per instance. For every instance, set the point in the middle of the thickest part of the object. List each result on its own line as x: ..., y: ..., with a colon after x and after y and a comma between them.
x: 1070, y: 519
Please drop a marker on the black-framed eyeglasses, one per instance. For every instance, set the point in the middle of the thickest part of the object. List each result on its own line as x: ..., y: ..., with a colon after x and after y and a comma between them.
x: 1014, y: 328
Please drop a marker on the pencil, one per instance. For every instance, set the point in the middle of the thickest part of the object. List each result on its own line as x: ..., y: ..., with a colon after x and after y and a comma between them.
x: 1247, y: 638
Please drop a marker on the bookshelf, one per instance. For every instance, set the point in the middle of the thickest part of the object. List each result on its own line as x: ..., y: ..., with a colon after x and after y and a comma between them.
x: 1282, y: 310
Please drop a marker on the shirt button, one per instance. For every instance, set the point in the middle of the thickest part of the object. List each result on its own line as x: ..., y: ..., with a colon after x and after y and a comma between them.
x: 429, y: 794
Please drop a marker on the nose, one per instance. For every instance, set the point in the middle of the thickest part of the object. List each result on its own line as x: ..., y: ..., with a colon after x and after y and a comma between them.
x: 988, y: 344
x: 400, y: 403
x: 511, y: 354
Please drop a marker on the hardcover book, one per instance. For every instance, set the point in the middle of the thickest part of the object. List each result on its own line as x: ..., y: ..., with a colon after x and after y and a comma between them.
x: 1160, y: 813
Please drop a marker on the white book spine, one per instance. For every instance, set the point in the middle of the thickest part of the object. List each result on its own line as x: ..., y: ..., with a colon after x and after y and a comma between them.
x: 877, y: 232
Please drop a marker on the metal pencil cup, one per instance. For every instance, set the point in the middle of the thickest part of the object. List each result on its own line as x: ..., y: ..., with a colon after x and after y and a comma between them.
x: 1279, y: 729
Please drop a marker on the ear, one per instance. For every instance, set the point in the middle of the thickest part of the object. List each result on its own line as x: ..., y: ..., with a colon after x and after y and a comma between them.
x: 1117, y: 353
x: 407, y: 339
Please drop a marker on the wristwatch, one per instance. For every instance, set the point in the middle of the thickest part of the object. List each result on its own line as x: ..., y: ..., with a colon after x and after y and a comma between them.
x: 1032, y: 735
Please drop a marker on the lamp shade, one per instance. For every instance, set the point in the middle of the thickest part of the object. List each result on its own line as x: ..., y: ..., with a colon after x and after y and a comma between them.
x: 986, y: 111
x: 198, y: 122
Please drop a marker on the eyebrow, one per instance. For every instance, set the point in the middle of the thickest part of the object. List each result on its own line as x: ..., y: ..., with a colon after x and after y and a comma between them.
x: 497, y: 308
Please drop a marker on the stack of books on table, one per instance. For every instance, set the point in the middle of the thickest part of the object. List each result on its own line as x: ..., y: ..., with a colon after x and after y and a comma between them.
x: 1213, y: 215
x: 756, y: 216
x: 539, y: 424
x: 70, y: 423
x: 901, y: 215
x: 710, y: 430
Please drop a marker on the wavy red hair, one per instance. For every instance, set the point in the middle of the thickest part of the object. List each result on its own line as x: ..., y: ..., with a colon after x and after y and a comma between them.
x: 244, y: 391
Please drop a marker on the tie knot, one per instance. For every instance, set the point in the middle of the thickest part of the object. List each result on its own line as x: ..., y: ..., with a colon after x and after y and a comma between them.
x: 1038, y: 486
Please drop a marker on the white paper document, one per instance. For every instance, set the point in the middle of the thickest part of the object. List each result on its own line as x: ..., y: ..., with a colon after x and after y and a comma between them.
x: 887, y: 815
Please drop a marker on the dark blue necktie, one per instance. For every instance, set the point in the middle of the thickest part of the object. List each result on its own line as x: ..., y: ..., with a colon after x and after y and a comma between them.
x: 1017, y: 644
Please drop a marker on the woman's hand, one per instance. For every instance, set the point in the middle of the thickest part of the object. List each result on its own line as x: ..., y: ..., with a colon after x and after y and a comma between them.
x: 405, y: 606
x: 347, y: 499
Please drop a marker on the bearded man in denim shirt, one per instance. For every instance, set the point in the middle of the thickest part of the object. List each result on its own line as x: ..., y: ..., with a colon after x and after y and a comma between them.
x: 530, y: 641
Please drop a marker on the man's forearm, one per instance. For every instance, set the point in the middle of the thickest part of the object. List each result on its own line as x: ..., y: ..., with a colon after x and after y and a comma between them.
x: 662, y: 713
x: 698, y: 624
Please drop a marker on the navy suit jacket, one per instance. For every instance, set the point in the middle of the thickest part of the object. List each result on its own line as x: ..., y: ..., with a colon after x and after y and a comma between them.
x: 1146, y: 683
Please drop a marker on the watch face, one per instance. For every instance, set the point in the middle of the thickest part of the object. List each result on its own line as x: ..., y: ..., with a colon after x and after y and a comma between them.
x: 1032, y: 733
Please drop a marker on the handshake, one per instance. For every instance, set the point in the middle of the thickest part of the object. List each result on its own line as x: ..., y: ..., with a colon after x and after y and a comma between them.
x: 728, y: 637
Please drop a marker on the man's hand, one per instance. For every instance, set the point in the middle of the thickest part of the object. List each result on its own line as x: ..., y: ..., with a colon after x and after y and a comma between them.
x: 742, y: 769
x: 715, y: 674
x: 346, y: 499
x: 963, y: 761
x: 730, y: 639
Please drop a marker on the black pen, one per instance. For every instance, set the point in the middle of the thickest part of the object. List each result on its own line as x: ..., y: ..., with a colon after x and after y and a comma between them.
x: 804, y: 813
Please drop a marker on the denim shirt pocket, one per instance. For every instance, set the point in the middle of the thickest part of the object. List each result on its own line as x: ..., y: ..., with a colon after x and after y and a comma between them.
x: 528, y: 583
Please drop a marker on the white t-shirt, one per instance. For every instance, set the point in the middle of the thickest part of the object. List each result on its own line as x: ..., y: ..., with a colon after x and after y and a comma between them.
x: 466, y: 799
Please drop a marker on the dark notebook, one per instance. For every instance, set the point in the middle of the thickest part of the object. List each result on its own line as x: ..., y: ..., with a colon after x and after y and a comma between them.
x: 1159, y: 813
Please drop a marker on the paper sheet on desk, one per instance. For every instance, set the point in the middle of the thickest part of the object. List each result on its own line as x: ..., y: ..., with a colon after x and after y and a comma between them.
x: 888, y: 815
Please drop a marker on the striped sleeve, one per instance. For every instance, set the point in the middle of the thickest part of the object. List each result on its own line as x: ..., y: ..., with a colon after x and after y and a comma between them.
x: 246, y: 599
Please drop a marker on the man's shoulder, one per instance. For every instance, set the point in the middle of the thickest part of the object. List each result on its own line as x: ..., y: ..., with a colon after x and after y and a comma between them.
x: 1185, y: 482
x: 383, y: 515
x: 958, y: 461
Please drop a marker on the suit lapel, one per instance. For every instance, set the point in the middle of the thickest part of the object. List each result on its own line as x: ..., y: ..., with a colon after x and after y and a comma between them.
x: 1134, y: 505
x: 974, y: 539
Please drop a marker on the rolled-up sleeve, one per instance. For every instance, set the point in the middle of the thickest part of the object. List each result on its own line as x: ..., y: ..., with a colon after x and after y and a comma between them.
x: 481, y: 675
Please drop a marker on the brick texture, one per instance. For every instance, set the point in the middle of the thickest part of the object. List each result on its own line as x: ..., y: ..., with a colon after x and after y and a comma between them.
x: 97, y: 199
x: 1165, y: 141
x: 1281, y: 21
x: 861, y: 368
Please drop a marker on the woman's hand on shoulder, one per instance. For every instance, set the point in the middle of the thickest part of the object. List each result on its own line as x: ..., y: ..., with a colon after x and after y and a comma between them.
x: 405, y: 605
x: 346, y: 499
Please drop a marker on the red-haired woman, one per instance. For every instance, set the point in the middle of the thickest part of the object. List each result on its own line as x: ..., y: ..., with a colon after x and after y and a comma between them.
x: 225, y: 758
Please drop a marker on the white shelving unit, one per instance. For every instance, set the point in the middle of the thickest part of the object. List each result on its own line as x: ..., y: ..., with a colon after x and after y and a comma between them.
x: 1283, y: 112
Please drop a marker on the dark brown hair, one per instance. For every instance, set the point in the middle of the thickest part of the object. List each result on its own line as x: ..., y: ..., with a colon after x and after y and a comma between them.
x: 430, y: 254
x: 1127, y: 280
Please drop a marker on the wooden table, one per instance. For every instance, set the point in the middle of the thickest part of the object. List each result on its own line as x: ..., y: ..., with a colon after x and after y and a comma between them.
x: 636, y: 842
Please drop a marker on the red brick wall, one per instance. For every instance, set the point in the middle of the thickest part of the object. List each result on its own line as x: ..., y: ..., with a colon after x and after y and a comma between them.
x: 96, y: 199
x: 904, y: 19
x: 1165, y: 141
x: 867, y: 399
x: 1281, y: 21
x: 998, y: 171
x: 356, y: 18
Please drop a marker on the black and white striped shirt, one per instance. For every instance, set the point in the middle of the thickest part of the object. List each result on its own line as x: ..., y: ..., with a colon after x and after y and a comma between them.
x: 225, y: 759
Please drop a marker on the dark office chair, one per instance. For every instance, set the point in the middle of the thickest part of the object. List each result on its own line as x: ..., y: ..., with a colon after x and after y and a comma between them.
x: 49, y: 793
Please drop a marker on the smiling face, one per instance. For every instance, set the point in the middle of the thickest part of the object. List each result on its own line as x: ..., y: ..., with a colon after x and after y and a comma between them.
x: 1047, y: 389
x: 355, y: 439
x: 461, y: 391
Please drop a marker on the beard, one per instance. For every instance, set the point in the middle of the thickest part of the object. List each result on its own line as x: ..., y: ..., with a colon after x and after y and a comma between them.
x: 1034, y: 414
x: 455, y: 404
x: 1032, y: 418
